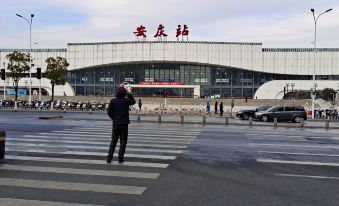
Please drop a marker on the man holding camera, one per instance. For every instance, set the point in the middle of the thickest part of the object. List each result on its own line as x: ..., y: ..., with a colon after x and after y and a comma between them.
x: 118, y: 111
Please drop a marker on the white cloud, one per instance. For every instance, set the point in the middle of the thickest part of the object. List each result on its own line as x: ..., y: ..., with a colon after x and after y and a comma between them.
x: 275, y: 23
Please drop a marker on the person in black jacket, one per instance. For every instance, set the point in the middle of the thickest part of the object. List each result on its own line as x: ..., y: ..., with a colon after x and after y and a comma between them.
x: 140, y: 104
x: 221, y: 106
x: 118, y: 111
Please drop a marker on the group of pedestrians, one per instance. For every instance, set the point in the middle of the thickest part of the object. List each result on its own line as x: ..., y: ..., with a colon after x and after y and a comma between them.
x: 326, y: 114
x: 221, y: 108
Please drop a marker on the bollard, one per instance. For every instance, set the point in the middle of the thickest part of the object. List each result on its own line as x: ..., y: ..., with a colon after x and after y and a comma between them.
x: 301, y: 122
x: 138, y: 118
x: 182, y: 119
x: 2, y: 144
x: 159, y: 118
x: 250, y: 121
x: 275, y: 124
x: 150, y: 111
x: 204, y: 119
x: 226, y: 120
x: 327, y: 124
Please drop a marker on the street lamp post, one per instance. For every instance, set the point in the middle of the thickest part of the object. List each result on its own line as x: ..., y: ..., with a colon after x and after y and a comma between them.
x: 314, y: 54
x: 242, y: 85
x: 287, y: 85
x: 30, y: 54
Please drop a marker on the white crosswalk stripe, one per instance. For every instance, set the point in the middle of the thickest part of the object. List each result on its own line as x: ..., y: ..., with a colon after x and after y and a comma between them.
x: 105, y: 139
x: 108, y: 134
x: 137, y: 131
x: 55, y: 151
x: 86, y: 187
x: 86, y: 161
x: 61, y: 142
x: 80, y: 171
x: 91, y: 147
x: 149, y: 149
x: 129, y: 137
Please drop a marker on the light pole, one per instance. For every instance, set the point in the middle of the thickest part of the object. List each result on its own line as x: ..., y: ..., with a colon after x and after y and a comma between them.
x: 30, y: 54
x: 5, y: 81
x: 287, y: 85
x: 292, y: 85
x: 242, y: 85
x: 314, y: 53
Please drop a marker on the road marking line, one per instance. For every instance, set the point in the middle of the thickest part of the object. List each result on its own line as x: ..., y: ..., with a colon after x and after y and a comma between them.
x: 137, y: 131
x: 20, y: 202
x: 87, y: 187
x: 298, y: 153
x: 130, y: 134
x: 148, y: 129
x: 143, y: 156
x: 308, y: 176
x: 86, y: 161
x: 300, y: 140
x: 297, y: 162
x: 318, y: 137
x: 108, y: 139
x: 59, y: 142
x: 60, y: 170
x: 94, y: 148
x: 129, y: 137
x: 293, y: 145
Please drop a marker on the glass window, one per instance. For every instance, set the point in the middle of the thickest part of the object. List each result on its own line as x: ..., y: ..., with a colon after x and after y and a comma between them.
x: 289, y: 108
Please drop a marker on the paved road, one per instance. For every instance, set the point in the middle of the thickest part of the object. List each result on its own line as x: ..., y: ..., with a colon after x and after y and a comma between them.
x: 62, y: 162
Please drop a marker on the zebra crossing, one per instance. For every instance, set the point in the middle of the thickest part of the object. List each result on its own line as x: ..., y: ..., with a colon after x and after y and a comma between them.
x: 73, y: 161
x: 305, y: 148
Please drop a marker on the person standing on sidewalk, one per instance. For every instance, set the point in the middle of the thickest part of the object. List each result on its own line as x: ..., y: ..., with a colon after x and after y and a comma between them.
x: 140, y: 104
x: 221, y: 108
x: 118, y: 111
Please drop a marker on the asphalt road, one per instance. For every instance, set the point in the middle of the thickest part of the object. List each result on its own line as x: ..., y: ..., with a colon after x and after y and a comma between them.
x: 62, y: 162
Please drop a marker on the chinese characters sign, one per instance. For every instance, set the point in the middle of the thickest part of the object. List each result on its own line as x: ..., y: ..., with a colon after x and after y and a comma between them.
x: 161, y: 83
x: 160, y: 34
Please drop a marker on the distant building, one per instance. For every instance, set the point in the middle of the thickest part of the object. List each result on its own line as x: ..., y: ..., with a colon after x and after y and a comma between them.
x: 187, y: 69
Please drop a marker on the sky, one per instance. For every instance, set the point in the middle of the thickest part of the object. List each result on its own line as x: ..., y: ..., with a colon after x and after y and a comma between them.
x: 274, y: 23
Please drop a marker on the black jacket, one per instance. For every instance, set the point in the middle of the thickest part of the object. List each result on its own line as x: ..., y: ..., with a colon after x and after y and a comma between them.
x: 118, y: 109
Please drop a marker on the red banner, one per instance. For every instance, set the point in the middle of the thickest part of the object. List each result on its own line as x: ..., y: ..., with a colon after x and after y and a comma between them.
x: 161, y: 83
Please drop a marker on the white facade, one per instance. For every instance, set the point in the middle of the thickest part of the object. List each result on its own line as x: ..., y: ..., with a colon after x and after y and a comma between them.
x: 275, y: 89
x: 247, y: 56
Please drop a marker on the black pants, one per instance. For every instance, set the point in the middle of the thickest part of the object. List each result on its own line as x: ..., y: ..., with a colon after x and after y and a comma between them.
x: 119, y: 131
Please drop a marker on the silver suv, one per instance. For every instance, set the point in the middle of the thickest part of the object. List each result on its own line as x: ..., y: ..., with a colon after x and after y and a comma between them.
x: 283, y: 113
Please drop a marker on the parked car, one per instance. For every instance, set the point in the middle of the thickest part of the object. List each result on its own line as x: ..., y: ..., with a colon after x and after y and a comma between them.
x: 283, y: 113
x: 245, y: 114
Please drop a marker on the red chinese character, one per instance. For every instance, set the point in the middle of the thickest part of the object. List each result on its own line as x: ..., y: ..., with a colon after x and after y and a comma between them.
x: 160, y: 31
x: 141, y: 31
x: 178, y: 31
x: 185, y: 30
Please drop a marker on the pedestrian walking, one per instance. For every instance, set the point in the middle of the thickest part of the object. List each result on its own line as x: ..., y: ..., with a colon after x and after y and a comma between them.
x: 208, y: 108
x: 216, y: 107
x: 221, y: 108
x: 140, y: 104
x: 118, y: 111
